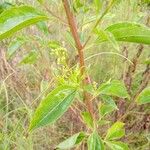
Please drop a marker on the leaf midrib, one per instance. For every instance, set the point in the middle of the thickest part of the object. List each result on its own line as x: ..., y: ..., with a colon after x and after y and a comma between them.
x: 54, y: 108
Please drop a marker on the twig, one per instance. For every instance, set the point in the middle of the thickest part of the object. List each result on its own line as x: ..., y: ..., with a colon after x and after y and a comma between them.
x: 54, y: 15
x: 109, y: 53
x: 128, y: 81
x: 99, y: 20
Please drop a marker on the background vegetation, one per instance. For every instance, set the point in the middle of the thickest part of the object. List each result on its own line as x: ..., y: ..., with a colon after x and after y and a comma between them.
x: 32, y: 63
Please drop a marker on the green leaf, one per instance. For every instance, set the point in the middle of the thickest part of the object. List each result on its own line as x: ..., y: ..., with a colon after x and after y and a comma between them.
x: 117, y: 145
x: 54, y: 44
x: 30, y: 58
x: 53, y: 106
x: 147, y: 61
x: 43, y: 27
x: 130, y: 32
x: 113, y: 88
x: 113, y: 41
x: 16, y: 18
x: 116, y: 131
x: 87, y: 119
x: 107, y: 100
x: 105, y: 109
x: 14, y: 46
x: 72, y: 141
x: 77, y: 5
x: 108, y: 36
x: 94, y: 142
x: 89, y: 88
x: 144, y: 96
x: 107, y: 106
x: 146, y: 2
x: 103, y: 122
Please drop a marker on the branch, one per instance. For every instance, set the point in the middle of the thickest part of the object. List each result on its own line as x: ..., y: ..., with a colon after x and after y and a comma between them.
x: 132, y: 68
x: 144, y: 82
x: 73, y: 28
x: 74, y: 31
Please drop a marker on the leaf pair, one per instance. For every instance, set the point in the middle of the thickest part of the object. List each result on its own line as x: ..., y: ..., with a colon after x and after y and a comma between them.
x: 94, y: 141
x: 115, y: 132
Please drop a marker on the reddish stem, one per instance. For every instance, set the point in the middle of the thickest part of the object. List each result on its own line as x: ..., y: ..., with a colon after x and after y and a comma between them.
x: 74, y: 31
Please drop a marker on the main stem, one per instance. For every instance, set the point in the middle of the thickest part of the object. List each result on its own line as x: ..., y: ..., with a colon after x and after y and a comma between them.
x: 79, y: 46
